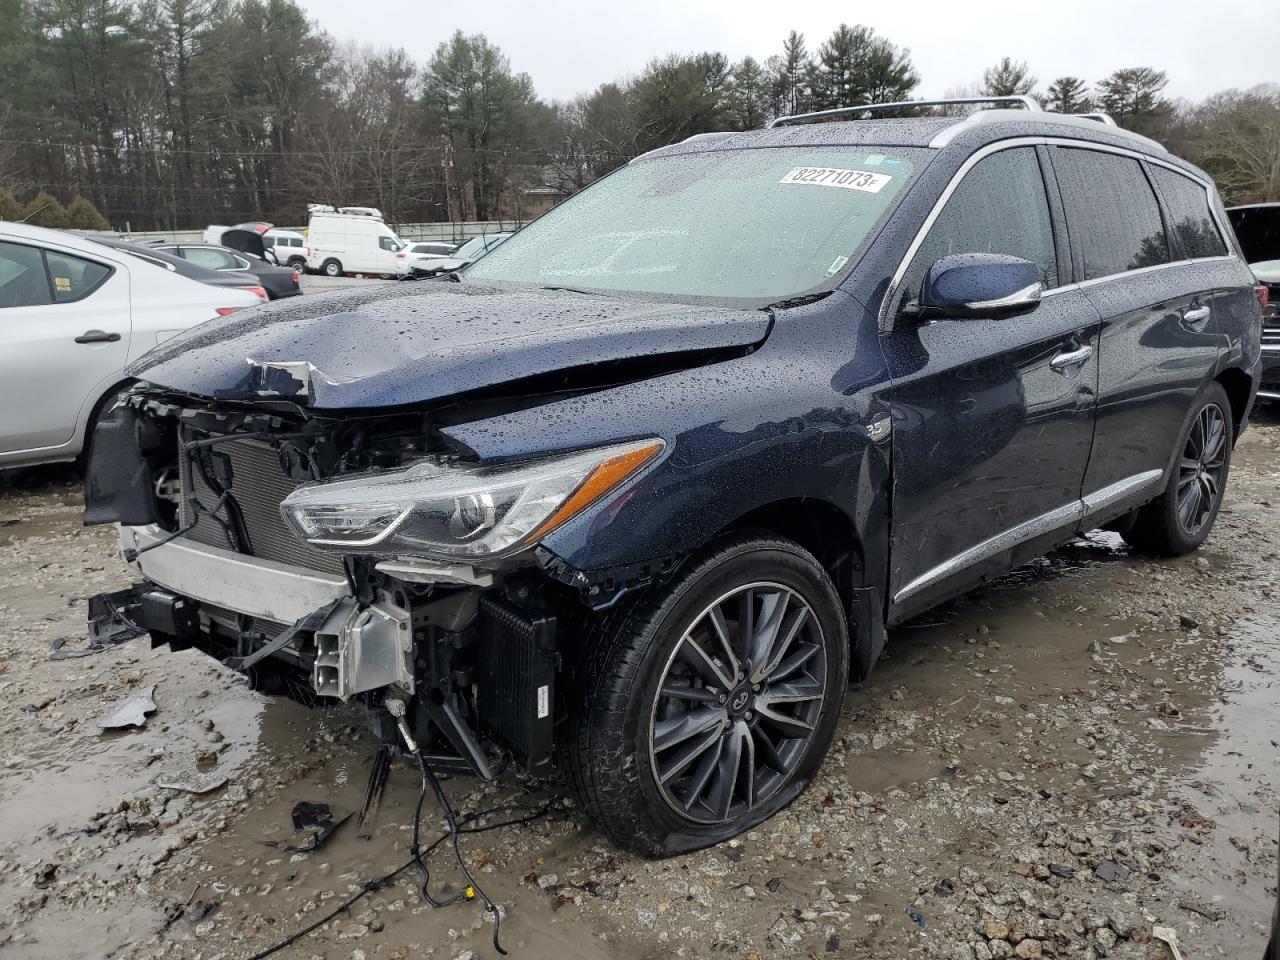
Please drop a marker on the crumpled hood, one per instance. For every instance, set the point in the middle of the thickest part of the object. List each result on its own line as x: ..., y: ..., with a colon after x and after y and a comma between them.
x: 403, y: 343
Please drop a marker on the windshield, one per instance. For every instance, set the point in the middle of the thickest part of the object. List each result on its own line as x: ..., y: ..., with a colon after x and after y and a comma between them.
x: 474, y: 248
x: 762, y: 223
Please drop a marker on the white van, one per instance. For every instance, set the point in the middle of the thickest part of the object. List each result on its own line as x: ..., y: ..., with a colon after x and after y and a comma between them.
x: 344, y: 243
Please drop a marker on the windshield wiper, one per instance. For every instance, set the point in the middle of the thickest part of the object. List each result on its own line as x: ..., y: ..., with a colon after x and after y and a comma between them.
x: 799, y: 301
x: 585, y: 293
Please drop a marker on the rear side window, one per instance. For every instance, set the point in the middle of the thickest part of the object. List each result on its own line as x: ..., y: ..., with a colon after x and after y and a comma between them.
x: 22, y: 278
x: 1194, y: 232
x: 999, y: 207
x: 1111, y: 210
x: 210, y: 259
x: 73, y: 278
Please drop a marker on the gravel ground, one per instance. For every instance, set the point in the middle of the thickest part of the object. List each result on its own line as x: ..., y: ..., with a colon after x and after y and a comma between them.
x: 1051, y: 766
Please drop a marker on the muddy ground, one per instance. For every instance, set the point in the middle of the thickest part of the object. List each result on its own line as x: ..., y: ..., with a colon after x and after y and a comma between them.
x: 1051, y: 766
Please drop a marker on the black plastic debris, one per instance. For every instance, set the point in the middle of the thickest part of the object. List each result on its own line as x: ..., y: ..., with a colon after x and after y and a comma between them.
x: 313, y: 820
x: 58, y: 650
x: 1109, y: 870
x: 307, y: 814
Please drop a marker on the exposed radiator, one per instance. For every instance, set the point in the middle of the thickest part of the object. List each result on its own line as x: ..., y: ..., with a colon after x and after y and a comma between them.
x: 515, y: 683
x: 259, y: 485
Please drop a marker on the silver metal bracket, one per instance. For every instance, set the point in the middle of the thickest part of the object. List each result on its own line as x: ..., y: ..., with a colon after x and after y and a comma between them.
x: 359, y: 649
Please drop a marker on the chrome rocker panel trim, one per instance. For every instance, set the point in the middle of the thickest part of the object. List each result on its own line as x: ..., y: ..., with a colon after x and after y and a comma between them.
x: 1077, y: 510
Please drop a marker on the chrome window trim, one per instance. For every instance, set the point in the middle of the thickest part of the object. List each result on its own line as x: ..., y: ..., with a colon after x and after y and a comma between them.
x: 1077, y: 510
x: 891, y: 291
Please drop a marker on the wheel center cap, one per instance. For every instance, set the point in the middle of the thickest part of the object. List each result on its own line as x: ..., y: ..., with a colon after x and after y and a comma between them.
x: 740, y: 701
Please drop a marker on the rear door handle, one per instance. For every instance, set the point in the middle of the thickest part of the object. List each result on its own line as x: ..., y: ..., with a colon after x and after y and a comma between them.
x: 1195, y: 316
x: 1063, y: 362
x: 97, y: 336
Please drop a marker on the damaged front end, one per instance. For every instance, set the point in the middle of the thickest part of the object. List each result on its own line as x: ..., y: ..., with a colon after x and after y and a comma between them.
x: 362, y: 557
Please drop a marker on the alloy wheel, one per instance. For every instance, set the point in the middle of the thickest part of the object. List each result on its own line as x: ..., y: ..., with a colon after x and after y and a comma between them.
x: 1201, y: 469
x: 737, y: 703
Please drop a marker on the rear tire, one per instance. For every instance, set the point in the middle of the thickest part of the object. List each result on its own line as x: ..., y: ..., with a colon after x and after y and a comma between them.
x: 298, y: 264
x: 1180, y: 519
x: 689, y: 730
x: 331, y: 268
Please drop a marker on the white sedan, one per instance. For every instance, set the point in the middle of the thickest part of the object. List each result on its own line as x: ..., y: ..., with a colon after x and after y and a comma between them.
x: 74, y: 314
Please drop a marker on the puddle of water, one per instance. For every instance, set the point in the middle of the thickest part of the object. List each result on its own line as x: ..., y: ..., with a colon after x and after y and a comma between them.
x: 1235, y: 780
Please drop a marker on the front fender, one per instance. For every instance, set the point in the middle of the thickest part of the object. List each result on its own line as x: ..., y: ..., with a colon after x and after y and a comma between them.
x: 789, y: 421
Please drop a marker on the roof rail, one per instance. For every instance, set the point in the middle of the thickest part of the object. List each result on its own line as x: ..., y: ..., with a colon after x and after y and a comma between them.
x: 1027, y: 103
x: 1077, y: 121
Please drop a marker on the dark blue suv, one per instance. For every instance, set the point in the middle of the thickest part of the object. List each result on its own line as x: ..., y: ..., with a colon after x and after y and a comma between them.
x: 636, y: 495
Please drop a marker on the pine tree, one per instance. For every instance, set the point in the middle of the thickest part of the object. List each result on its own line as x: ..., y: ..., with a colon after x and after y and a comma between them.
x: 1008, y: 78
x: 1067, y: 95
x: 1133, y: 97
x: 790, y: 76
x: 10, y: 208
x: 83, y: 215
x: 45, y: 211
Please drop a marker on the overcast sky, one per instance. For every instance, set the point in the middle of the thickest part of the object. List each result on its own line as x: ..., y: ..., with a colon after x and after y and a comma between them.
x: 572, y: 47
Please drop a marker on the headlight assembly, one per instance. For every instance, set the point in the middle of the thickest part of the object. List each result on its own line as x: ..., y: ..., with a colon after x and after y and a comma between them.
x: 458, y: 510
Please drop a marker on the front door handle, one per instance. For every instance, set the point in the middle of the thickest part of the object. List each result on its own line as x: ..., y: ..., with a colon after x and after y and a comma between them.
x: 1064, y: 362
x: 97, y: 336
x: 1195, y: 316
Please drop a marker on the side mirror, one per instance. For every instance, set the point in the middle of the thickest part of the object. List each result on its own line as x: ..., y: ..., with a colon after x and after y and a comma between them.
x: 978, y: 285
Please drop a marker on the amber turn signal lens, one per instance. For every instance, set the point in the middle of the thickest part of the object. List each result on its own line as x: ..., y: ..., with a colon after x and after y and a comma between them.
x: 604, y: 478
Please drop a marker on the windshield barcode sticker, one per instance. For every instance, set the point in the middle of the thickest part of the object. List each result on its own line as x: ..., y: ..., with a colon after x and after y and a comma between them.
x: 835, y: 177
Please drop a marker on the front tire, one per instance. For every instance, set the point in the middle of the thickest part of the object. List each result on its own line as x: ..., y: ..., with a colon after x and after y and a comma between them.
x: 707, y: 704
x: 1181, y: 518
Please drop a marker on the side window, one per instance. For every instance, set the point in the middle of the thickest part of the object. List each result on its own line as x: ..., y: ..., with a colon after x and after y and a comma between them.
x: 999, y: 207
x: 268, y: 242
x: 22, y: 278
x: 209, y: 259
x: 1111, y: 211
x: 74, y: 278
x: 386, y: 243
x: 1194, y: 232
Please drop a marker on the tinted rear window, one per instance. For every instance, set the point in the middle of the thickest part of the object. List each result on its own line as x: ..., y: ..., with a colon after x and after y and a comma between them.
x: 1194, y: 232
x: 1111, y: 210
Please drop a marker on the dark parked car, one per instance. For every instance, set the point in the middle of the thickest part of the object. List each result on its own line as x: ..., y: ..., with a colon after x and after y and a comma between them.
x: 639, y: 492
x: 185, y: 268
x: 1257, y: 226
x: 278, y: 281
